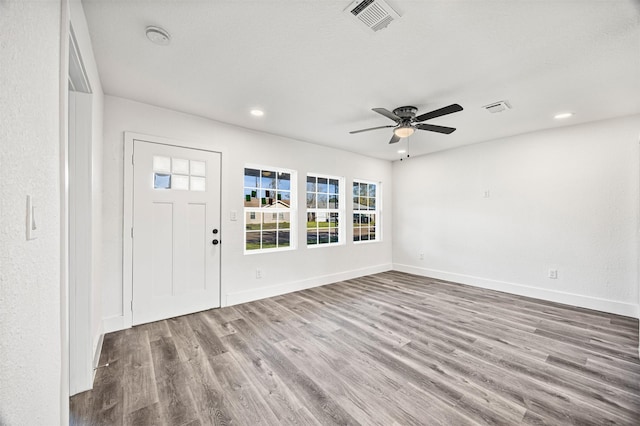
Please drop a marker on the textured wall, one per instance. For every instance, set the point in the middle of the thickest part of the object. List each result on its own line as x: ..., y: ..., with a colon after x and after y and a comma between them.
x: 30, y: 365
x: 564, y: 199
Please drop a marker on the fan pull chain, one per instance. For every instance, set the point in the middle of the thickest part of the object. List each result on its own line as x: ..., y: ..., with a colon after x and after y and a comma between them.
x: 407, y: 138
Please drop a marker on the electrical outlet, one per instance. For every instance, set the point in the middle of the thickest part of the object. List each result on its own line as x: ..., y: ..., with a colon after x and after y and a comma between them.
x: 421, y: 256
x: 487, y: 194
x: 553, y: 274
x: 258, y: 273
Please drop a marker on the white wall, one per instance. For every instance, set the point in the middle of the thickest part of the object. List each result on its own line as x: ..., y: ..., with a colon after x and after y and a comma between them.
x: 565, y: 199
x: 30, y: 329
x: 282, y: 271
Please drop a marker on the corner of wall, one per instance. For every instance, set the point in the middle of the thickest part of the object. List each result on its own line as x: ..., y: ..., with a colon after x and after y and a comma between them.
x: 598, y: 304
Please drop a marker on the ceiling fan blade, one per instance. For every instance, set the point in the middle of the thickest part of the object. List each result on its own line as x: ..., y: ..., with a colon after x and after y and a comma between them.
x: 388, y: 114
x: 394, y: 139
x: 433, y: 128
x: 439, y: 112
x: 371, y: 128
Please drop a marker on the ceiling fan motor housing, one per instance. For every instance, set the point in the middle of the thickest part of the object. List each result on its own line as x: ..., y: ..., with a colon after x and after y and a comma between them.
x: 406, y: 112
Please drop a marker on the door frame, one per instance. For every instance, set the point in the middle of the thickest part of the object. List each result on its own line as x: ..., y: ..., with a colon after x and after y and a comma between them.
x: 127, y: 219
x: 78, y: 209
x: 80, y: 242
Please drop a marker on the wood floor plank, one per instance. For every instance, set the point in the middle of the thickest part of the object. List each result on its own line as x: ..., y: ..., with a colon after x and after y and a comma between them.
x: 244, y: 401
x: 282, y: 401
x: 205, y: 334
x: 316, y: 399
x: 149, y: 415
x: 220, y: 324
x: 208, y: 396
x: 138, y: 376
x: 171, y: 383
x: 385, y: 349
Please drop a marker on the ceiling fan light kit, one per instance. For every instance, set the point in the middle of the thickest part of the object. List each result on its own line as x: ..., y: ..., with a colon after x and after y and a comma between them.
x: 407, y: 122
x: 403, y: 131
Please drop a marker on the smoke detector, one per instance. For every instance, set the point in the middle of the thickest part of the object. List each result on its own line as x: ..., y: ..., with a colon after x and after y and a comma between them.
x: 376, y: 15
x: 497, y: 107
x: 158, y: 35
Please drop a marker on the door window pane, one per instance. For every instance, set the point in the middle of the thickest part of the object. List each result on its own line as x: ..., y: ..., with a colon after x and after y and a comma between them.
x: 198, y: 183
x: 180, y: 182
x: 198, y: 168
x: 180, y: 166
x: 161, y: 164
x: 179, y: 174
x: 161, y: 181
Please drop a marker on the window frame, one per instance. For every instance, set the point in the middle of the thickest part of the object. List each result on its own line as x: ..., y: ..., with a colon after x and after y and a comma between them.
x: 340, y: 211
x: 377, y: 212
x: 292, y: 210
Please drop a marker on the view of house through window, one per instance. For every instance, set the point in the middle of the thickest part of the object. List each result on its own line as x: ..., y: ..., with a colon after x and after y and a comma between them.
x: 365, y: 211
x: 324, y: 217
x: 268, y: 208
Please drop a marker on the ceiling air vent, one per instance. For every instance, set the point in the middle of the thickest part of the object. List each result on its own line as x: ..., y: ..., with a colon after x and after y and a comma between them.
x: 497, y: 106
x: 375, y: 14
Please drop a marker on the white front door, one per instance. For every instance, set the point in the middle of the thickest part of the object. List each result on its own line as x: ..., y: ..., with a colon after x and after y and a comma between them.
x: 176, y: 223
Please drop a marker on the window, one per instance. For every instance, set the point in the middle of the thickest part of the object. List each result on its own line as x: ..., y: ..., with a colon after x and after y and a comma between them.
x: 366, y: 211
x: 269, y: 209
x: 324, y: 210
x: 179, y: 174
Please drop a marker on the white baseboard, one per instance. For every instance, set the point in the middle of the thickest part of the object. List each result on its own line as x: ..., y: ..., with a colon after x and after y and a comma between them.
x: 598, y: 304
x: 278, y: 289
x: 115, y: 323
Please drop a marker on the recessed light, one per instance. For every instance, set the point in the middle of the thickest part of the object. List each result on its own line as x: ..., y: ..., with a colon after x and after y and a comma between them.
x: 402, y: 151
x: 158, y: 35
x: 563, y: 115
x: 257, y: 112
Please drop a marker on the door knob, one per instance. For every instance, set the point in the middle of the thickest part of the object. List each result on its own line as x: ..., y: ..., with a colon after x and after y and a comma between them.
x: 215, y: 242
x: 215, y: 231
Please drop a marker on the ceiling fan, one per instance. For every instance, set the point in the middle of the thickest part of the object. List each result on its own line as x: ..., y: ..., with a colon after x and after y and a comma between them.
x: 407, y: 122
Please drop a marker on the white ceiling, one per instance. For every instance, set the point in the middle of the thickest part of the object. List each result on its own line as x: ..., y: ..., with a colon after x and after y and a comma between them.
x: 317, y: 74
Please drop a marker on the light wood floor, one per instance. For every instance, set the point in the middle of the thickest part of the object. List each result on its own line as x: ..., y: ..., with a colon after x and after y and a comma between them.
x: 387, y: 349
